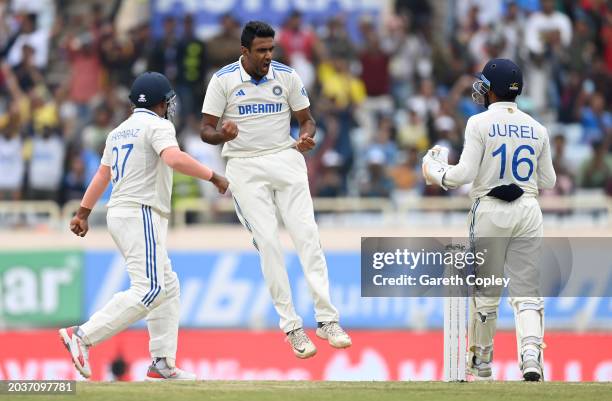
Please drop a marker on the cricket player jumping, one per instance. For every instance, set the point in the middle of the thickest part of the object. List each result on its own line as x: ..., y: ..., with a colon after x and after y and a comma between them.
x: 254, y: 98
x: 139, y: 157
x: 506, y: 155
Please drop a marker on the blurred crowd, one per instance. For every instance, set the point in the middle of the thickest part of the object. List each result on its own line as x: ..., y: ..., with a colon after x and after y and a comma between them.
x: 381, y: 97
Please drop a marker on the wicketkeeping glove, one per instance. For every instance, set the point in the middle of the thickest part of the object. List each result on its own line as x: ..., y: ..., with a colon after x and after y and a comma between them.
x: 435, y: 165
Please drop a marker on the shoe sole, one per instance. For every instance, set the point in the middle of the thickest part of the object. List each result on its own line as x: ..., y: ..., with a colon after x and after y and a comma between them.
x: 66, y: 340
x: 322, y: 336
x: 531, y: 376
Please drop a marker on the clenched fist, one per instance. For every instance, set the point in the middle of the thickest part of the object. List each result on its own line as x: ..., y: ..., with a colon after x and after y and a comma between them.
x: 305, y: 143
x: 220, y: 182
x: 229, y: 130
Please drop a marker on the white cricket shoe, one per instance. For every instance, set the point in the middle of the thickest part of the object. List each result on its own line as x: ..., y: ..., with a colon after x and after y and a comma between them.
x: 78, y: 350
x: 159, y: 371
x: 300, y: 344
x: 531, y: 367
x: 334, y: 334
x: 479, y: 369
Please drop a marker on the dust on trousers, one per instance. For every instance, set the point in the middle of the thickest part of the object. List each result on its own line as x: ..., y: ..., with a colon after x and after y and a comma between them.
x: 261, y: 186
x: 140, y: 234
x: 511, y: 233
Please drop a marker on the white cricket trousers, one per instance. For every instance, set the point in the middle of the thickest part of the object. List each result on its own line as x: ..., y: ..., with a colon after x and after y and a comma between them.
x: 260, y: 186
x: 512, y: 235
x: 140, y: 234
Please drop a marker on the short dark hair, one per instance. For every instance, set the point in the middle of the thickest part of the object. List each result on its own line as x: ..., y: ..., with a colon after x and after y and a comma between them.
x: 255, y: 29
x: 506, y: 98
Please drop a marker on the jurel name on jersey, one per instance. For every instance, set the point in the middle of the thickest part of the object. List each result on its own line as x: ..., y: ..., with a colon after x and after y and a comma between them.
x: 511, y: 130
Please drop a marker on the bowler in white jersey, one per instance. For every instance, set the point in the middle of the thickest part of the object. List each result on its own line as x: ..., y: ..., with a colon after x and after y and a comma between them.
x: 506, y: 155
x: 252, y: 100
x: 138, y: 158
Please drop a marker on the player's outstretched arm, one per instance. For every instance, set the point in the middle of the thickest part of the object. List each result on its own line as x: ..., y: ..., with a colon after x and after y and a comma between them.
x: 308, y: 127
x: 96, y: 188
x: 466, y: 170
x: 185, y: 164
x: 209, y: 133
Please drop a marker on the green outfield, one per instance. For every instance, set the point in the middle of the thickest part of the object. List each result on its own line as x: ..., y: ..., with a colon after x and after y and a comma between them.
x: 336, y: 391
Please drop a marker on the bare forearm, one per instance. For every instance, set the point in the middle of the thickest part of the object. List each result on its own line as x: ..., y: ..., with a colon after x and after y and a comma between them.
x: 94, y: 191
x: 211, y: 136
x: 185, y: 164
x: 308, y: 127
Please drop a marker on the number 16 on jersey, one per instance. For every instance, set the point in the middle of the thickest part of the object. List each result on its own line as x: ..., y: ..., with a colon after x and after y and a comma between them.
x: 516, y: 161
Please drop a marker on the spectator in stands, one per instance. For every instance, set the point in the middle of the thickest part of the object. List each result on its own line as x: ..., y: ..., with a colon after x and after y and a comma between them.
x: 336, y: 41
x: 300, y: 46
x: 597, y: 171
x: 75, y: 180
x: 407, y: 174
x: 117, y: 56
x: 420, y: 11
x: 606, y: 39
x: 33, y: 36
x: 329, y: 182
x: 411, y: 130
x: 221, y: 48
x: 192, y: 69
x: 548, y: 33
x: 410, y: 57
x: 425, y: 103
x: 565, y: 178
x: 480, y: 12
x: 384, y: 140
x: 46, y: 167
x: 27, y: 74
x: 12, y: 164
x: 376, y: 78
x: 297, y: 40
x: 378, y: 183
x: 512, y: 27
x: 596, y: 120
x: 94, y: 135
x: 85, y: 78
x: 582, y: 48
x: 163, y: 57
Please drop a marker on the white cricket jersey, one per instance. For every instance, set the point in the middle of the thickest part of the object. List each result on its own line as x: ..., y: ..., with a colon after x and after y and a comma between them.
x: 503, y: 145
x: 261, y: 110
x: 139, y: 176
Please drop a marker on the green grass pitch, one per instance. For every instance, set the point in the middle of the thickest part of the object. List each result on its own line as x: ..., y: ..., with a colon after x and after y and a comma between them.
x: 336, y: 391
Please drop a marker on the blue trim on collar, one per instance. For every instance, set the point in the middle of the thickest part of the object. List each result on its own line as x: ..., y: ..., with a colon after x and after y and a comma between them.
x: 261, y: 81
x: 147, y: 111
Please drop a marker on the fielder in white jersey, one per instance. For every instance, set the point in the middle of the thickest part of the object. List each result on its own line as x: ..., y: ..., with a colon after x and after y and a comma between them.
x: 506, y: 155
x: 138, y: 158
x: 253, y: 100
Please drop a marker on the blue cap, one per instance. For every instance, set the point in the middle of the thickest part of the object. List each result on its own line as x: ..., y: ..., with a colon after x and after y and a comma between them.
x: 503, y: 77
x: 150, y: 89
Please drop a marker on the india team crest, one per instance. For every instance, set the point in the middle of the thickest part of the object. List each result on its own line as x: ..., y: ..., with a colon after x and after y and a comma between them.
x: 277, y: 90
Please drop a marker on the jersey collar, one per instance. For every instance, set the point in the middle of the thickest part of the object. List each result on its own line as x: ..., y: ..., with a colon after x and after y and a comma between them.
x: 502, y: 105
x: 247, y: 78
x: 143, y: 110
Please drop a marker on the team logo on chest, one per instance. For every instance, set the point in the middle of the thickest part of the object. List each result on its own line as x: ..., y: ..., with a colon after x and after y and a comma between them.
x: 277, y: 90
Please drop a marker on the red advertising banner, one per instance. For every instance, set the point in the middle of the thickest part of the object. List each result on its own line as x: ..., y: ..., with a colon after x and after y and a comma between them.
x: 251, y: 355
